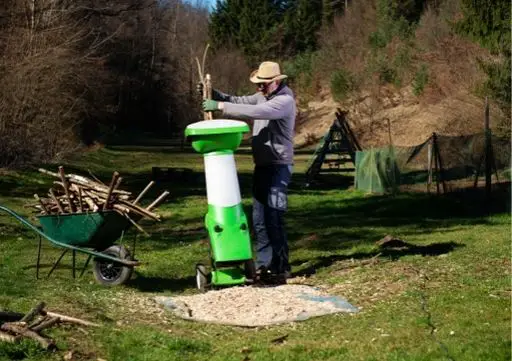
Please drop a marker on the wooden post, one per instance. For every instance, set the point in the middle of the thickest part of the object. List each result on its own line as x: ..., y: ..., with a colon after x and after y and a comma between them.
x: 429, y: 164
x: 436, y: 163
x: 488, y: 152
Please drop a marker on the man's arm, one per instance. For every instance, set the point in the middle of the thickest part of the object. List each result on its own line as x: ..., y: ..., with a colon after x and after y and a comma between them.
x: 276, y: 108
x: 222, y: 97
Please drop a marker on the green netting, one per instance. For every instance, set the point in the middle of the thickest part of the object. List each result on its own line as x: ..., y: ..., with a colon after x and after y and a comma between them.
x: 460, y: 164
x: 377, y: 170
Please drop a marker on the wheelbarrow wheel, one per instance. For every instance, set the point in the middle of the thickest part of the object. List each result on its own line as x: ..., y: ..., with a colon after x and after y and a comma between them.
x: 112, y: 273
x: 201, y: 278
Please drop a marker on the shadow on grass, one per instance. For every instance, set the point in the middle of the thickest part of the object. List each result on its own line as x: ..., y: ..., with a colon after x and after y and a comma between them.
x: 160, y: 284
x: 393, y: 253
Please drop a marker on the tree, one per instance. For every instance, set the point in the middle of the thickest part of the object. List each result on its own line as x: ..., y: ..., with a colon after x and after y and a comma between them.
x: 302, y: 22
x: 488, y: 23
x: 254, y: 26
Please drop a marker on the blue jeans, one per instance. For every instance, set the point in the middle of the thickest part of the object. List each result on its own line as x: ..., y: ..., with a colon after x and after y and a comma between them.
x: 270, y: 202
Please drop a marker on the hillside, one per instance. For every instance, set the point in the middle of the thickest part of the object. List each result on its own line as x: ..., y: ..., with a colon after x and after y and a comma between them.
x: 411, y: 121
x: 423, y: 80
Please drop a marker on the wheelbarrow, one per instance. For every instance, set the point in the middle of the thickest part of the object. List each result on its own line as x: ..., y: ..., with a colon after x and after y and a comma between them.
x: 92, y: 233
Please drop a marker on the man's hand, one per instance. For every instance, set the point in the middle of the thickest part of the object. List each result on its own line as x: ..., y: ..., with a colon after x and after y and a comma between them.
x: 200, y: 88
x: 210, y: 105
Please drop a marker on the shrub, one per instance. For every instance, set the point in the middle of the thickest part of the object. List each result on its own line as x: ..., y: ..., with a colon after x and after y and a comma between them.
x: 420, y: 80
x: 341, y: 84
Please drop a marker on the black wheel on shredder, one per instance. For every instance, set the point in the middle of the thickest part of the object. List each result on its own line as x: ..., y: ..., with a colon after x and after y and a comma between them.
x: 250, y: 271
x: 201, y: 278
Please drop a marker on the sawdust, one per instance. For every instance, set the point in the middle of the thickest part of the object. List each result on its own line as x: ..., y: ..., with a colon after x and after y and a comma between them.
x: 256, y: 306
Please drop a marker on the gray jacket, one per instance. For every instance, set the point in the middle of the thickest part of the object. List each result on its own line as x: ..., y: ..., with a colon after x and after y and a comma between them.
x: 274, y: 123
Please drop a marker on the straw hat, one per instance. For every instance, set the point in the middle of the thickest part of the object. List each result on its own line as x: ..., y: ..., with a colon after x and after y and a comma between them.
x: 267, y: 72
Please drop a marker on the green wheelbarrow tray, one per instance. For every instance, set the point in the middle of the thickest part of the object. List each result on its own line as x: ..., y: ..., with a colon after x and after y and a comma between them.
x: 83, y: 232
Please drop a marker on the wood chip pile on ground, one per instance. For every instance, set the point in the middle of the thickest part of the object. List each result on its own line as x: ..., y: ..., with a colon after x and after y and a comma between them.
x: 256, y: 306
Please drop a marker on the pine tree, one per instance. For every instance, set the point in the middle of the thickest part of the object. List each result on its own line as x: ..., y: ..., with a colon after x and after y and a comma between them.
x: 488, y: 23
x: 254, y: 26
x: 302, y: 22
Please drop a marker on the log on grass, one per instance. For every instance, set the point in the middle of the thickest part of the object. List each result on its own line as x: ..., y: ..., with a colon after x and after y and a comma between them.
x: 6, y: 337
x: 69, y: 319
x: 33, y: 312
x: 26, y: 332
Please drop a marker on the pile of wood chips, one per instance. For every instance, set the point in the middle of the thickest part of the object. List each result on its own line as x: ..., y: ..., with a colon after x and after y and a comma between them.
x: 77, y: 194
x: 15, y: 326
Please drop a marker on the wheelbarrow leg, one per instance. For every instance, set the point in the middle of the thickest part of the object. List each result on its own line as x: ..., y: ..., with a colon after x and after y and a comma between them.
x: 74, y: 262
x: 85, y: 266
x: 38, y: 258
x: 56, y: 263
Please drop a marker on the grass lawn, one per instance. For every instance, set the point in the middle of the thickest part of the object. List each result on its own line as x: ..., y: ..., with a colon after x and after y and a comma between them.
x: 445, y: 296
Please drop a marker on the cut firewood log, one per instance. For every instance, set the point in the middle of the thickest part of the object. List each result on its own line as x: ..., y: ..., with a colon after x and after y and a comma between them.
x: 65, y: 185
x: 135, y: 224
x: 69, y: 319
x: 50, y: 321
x: 33, y: 312
x: 157, y: 201
x: 6, y: 337
x: 92, y: 205
x: 80, y: 202
x: 140, y: 210
x: 26, y: 332
x: 56, y: 200
x: 45, y: 210
x: 139, y: 197
x: 113, y: 182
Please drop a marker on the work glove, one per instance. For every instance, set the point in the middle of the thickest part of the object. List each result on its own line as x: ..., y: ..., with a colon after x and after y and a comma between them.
x: 210, y: 105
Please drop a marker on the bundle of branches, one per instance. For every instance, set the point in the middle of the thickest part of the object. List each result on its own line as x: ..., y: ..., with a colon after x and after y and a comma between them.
x: 15, y: 326
x: 77, y: 194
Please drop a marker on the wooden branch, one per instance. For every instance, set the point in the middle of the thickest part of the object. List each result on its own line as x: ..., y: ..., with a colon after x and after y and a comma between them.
x: 135, y: 224
x: 80, y: 203
x: 57, y: 202
x: 113, y: 182
x: 92, y: 205
x: 157, y: 201
x: 65, y: 185
x: 23, y: 331
x: 139, y: 197
x: 69, y: 319
x: 84, y: 182
x: 33, y: 312
x: 6, y: 337
x: 48, y: 323
x: 140, y: 210
x: 37, y: 322
x: 45, y: 210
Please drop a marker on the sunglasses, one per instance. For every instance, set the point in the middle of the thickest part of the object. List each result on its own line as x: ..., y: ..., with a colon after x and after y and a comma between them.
x: 263, y: 86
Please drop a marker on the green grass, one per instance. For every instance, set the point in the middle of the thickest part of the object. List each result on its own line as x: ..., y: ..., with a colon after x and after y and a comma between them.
x: 446, y: 296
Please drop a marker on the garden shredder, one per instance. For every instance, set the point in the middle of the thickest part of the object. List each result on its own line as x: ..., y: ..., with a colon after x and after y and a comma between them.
x: 225, y: 221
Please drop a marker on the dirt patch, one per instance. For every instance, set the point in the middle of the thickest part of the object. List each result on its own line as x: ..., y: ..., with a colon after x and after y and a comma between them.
x: 411, y: 122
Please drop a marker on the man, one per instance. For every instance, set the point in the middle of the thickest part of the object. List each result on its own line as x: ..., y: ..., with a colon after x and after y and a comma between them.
x: 273, y: 111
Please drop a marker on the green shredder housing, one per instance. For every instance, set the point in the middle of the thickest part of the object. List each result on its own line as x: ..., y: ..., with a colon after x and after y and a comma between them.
x: 97, y: 230
x: 230, y: 239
